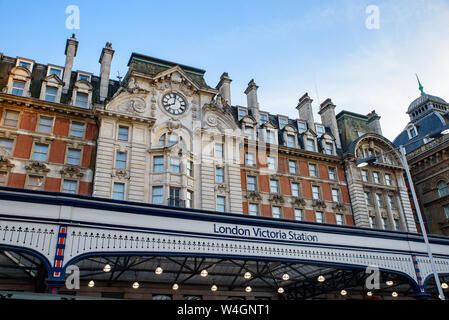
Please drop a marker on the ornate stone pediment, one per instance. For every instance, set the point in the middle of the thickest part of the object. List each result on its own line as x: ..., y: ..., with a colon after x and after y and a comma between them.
x: 72, y: 172
x: 5, y: 162
x: 253, y: 196
x: 37, y: 167
x: 319, y: 203
x: 276, y: 198
x: 298, y: 202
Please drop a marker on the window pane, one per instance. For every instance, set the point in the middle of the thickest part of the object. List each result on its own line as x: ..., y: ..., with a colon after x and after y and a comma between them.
x: 7, y: 144
x: 313, y: 170
x: 81, y: 99
x: 190, y: 168
x: 18, y: 87
x: 274, y: 186
x: 250, y: 159
x: 189, y: 199
x: 69, y: 186
x: 295, y: 189
x: 251, y: 183
x: 329, y: 149
x: 292, y: 166
x: 25, y: 64
x: 335, y: 196
x: 172, y: 140
x: 253, y: 209
x: 73, y: 156
x: 310, y: 145
x: 158, y: 164
x: 316, y: 193
x: 339, y: 219
x: 291, y: 141
x: 271, y: 163
x: 221, y: 204
x: 298, y: 214
x: 302, y: 127
x: 40, y: 152
x: 123, y: 133
x: 83, y: 77
x: 319, y: 217
x: 119, y: 191
x: 55, y: 71
x: 11, y: 118
x: 35, y: 182
x: 218, y: 150
x: 77, y: 130
x: 50, y: 94
x: 45, y: 124
x: 175, y: 165
x: 332, y: 174
x: 120, y: 160
x: 158, y: 195
x: 219, y: 175
x: 276, y: 212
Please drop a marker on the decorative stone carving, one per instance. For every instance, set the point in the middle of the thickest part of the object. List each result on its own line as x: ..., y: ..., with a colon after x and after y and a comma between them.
x: 72, y: 172
x: 276, y: 198
x: 319, y: 203
x: 5, y: 163
x: 137, y: 105
x: 221, y: 188
x: 298, y: 202
x: 253, y: 196
x: 36, y: 167
x: 121, y: 174
x: 339, y: 207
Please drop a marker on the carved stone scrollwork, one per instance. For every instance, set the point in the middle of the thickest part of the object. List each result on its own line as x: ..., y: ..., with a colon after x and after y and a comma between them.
x: 319, y: 203
x: 276, y: 198
x: 36, y: 167
x: 339, y: 207
x: 253, y: 196
x: 298, y: 202
x: 5, y: 163
x: 121, y: 174
x: 221, y: 188
x: 72, y: 172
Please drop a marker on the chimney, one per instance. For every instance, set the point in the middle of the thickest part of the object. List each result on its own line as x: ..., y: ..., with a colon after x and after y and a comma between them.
x: 374, y: 122
x: 70, y: 51
x: 224, y: 87
x: 251, y: 97
x: 105, y: 60
x: 305, y: 110
x: 328, y: 119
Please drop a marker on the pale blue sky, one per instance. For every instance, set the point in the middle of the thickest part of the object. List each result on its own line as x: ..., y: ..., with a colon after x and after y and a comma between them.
x: 288, y: 47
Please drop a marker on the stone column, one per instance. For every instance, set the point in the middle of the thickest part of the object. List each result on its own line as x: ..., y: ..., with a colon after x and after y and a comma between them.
x: 105, y: 60
x: 70, y: 52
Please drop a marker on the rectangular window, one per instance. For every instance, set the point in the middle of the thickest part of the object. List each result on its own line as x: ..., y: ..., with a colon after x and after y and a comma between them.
x: 175, y: 165
x: 174, y: 200
x: 242, y: 113
x: 190, y: 168
x: 7, y: 144
x: 291, y: 142
x: 83, y: 77
x: 45, y: 124
x: 118, y: 191
x: 81, y: 100
x: 251, y: 183
x: 40, y: 152
x: 270, y: 137
x: 253, y: 209
x: 388, y: 181
x: 329, y: 148
x: 218, y: 150
x: 69, y: 186
x: 298, y: 215
x: 18, y: 87
x: 372, y: 222
x: 3, y: 177
x: 310, y: 145
x: 368, y: 199
x: 123, y: 133
x: 302, y: 127
x: 313, y: 171
x: 24, y: 64
x: 364, y: 175
x: 292, y: 166
x: 56, y: 72
x: 446, y: 211
x: 158, y: 164
x: 319, y: 130
x: 319, y: 217
x: 276, y: 212
x: 50, y: 94
x: 74, y: 156
x: 221, y: 204
x: 263, y: 118
x: 219, y: 175
x: 249, y: 131
x: 392, y: 202
x: 120, y: 160
x: 385, y: 223
x: 249, y: 159
x: 271, y: 161
x: 335, y: 195
x: 189, y: 199
x: 380, y: 201
x: 282, y: 122
x: 158, y: 195
x: 77, y: 130
x: 376, y: 177
x: 332, y: 173
x: 397, y: 225
x: 274, y: 186
x: 316, y: 193
x: 339, y: 219
x: 11, y: 118
x: 295, y: 190
x: 35, y: 182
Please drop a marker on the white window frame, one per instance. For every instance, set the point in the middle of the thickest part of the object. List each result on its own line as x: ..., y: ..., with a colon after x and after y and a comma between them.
x: 253, y: 212
x: 115, y: 192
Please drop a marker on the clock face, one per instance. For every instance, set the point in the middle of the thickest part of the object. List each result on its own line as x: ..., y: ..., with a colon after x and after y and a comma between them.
x: 174, y: 103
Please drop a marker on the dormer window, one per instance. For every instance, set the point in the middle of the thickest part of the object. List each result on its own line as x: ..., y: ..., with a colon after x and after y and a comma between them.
x: 242, y: 113
x: 55, y: 70
x: 81, y: 100
x: 83, y: 76
x: 291, y: 141
x: 18, y: 87
x: 302, y: 127
x: 412, y: 132
x: 27, y: 64
x: 329, y: 148
x: 310, y: 145
x: 319, y: 130
x: 51, y: 94
x: 282, y: 122
x: 82, y: 94
x: 270, y: 137
x: 263, y: 118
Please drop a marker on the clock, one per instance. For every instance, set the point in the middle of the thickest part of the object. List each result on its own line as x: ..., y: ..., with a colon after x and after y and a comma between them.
x: 174, y: 103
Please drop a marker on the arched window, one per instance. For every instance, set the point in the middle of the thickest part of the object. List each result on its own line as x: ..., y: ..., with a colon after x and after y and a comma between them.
x: 167, y: 140
x: 443, y: 189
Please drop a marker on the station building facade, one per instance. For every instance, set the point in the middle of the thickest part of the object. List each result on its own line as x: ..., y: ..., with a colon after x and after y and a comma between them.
x: 162, y: 135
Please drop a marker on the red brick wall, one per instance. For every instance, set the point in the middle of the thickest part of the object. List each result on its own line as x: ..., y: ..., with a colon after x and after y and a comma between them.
x: 344, y: 194
x: 330, y: 218
x: 341, y: 174
x: 265, y: 210
x: 306, y: 189
x: 323, y: 172
x: 91, y: 131
x: 87, y: 156
x: 85, y: 188
x: 52, y: 184
x: 62, y: 127
x: 16, y: 180
x: 326, y: 190
x: 310, y: 215
x: 282, y: 163
x: 243, y: 179
x: 23, y: 146
x: 303, y: 168
x: 349, y: 220
x: 285, y: 186
x: 264, y: 183
x: 28, y: 121
x: 57, y: 151
x: 288, y: 213
x: 245, y: 208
